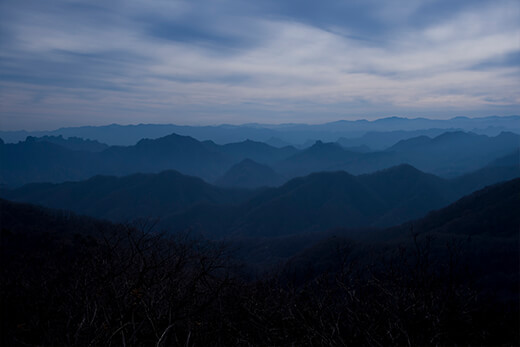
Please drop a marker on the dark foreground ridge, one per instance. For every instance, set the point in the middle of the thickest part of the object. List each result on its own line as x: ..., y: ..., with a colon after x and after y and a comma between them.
x: 448, y: 279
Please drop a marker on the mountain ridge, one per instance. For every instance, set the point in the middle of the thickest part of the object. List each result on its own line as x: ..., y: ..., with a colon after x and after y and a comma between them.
x: 315, y: 202
x: 116, y: 134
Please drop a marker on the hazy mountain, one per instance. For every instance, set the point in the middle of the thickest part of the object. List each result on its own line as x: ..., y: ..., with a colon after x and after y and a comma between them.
x: 33, y: 161
x: 332, y: 157
x: 488, y: 214
x: 319, y: 157
x: 479, y: 231
x: 41, y: 161
x: 257, y: 151
x: 332, y: 199
x: 408, y: 192
x: 484, y: 225
x: 411, y: 143
x: 181, y: 153
x: 316, y: 202
x: 276, y: 142
x: 128, y: 135
x: 454, y: 153
x: 72, y: 143
x: 129, y: 197
x: 325, y: 200
x: 250, y: 174
x: 380, y: 140
x: 449, y: 155
x: 501, y: 169
x: 360, y: 148
x: 189, y: 156
x: 512, y: 160
x: 295, y: 134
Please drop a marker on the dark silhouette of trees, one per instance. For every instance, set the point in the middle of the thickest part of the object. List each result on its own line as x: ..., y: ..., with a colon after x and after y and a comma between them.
x: 128, y: 285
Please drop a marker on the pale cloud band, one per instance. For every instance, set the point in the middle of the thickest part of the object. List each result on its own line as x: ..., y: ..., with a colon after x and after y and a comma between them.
x: 208, y: 62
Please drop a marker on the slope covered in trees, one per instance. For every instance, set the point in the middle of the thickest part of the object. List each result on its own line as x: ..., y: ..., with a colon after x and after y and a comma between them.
x: 128, y: 197
x: 72, y: 280
x: 313, y: 203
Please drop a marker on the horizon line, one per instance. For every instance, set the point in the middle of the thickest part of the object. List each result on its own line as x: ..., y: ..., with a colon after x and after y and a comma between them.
x: 264, y: 124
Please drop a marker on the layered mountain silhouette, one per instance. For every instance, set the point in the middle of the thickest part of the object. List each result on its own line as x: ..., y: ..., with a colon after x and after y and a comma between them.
x: 72, y: 143
x: 42, y: 160
x: 453, y: 153
x: 181, y: 153
x: 316, y: 202
x: 125, y: 198
x: 257, y: 151
x: 332, y: 157
x: 501, y: 169
x: 295, y: 134
x: 481, y: 230
x: 319, y: 157
x: 449, y: 154
x: 381, y: 140
x: 488, y: 216
x: 331, y: 199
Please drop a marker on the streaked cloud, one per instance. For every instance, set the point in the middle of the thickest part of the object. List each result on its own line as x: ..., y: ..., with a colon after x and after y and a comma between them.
x: 208, y: 62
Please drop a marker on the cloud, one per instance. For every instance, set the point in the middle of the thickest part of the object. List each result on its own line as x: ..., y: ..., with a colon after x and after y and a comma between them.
x: 75, y: 62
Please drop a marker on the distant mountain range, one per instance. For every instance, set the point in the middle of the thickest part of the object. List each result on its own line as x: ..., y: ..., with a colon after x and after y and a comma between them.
x: 381, y: 140
x: 278, y: 134
x: 38, y: 160
x: 449, y: 154
x: 316, y: 202
x: 72, y: 143
x: 453, y: 153
x: 55, y: 159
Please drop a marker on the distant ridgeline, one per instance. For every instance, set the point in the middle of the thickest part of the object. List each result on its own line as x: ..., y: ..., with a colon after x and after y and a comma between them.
x: 247, y: 164
x: 377, y: 134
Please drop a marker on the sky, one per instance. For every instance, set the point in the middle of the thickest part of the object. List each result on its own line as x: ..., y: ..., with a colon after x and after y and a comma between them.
x: 76, y: 62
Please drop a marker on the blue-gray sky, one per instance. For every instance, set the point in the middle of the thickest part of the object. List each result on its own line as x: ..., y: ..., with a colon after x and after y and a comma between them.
x: 80, y: 62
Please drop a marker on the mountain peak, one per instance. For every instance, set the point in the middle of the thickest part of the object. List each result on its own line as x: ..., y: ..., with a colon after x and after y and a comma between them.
x: 173, y: 137
x: 453, y: 135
